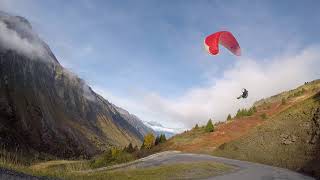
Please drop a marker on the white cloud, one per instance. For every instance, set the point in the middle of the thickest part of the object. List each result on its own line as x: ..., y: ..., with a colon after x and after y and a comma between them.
x: 263, y: 78
x: 29, y: 46
x: 24, y: 41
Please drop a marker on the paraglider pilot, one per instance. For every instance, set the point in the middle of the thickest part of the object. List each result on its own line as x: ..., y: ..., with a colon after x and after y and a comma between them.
x: 244, y: 94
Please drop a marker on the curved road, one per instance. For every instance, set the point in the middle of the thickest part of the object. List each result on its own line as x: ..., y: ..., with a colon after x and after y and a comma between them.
x: 244, y: 170
x: 7, y: 174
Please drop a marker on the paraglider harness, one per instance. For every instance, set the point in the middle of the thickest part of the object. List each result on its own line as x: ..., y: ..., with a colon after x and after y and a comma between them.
x: 244, y: 94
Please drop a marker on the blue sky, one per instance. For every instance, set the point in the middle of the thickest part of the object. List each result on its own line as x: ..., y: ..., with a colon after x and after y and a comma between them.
x: 148, y: 56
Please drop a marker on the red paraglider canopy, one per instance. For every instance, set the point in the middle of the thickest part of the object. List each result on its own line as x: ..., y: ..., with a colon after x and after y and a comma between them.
x: 224, y: 38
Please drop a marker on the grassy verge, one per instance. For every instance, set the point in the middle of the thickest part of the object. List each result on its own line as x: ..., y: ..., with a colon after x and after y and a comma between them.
x: 70, y: 170
x: 37, y: 167
x: 174, y: 171
x: 112, y: 157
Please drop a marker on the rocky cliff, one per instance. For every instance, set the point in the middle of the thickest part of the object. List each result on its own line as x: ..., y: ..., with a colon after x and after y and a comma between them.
x: 46, y: 109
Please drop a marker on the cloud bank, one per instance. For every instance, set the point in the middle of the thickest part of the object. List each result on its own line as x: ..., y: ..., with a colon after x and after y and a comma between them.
x: 16, y: 34
x: 20, y: 38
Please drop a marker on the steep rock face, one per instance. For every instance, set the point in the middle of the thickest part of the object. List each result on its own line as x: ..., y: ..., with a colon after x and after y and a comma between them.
x: 135, y: 122
x: 44, y: 108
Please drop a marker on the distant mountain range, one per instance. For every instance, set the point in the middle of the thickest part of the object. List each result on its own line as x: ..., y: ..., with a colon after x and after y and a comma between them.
x: 45, y: 108
x: 135, y: 121
x: 160, y: 129
x: 145, y: 127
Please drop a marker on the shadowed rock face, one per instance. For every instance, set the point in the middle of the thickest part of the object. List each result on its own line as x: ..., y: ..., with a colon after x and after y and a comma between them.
x: 44, y: 108
x: 135, y: 122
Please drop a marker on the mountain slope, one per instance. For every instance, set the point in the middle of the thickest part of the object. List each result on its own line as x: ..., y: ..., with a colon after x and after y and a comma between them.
x: 284, y: 131
x: 289, y: 139
x: 135, y: 122
x: 44, y: 108
x: 160, y: 129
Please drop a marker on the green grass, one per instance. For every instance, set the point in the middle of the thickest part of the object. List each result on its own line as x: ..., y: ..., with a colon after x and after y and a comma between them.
x: 111, y: 158
x: 174, y: 171
x: 71, y: 169
x: 34, y: 166
x: 246, y: 112
x: 188, y: 136
x: 65, y: 169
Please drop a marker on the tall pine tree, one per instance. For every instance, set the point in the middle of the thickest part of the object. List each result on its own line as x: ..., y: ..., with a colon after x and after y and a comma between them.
x: 209, y: 126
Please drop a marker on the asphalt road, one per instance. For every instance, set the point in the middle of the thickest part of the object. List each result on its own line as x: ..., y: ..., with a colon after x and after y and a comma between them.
x: 6, y: 174
x: 244, y: 170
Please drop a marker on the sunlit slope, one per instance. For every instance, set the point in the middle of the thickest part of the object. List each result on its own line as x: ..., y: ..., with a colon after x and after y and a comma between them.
x: 288, y: 139
x: 197, y: 140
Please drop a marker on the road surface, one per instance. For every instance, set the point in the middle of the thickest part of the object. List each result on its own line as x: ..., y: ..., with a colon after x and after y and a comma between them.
x: 6, y: 174
x: 243, y: 170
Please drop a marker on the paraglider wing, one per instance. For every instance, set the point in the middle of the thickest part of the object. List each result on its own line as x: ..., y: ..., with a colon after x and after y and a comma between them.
x: 224, y: 38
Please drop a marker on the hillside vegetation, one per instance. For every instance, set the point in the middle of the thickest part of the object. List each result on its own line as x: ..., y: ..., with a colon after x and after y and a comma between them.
x: 289, y: 139
x: 282, y: 130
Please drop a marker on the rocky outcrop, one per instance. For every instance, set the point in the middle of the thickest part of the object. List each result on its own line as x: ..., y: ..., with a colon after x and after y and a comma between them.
x: 287, y: 139
x: 315, y: 127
